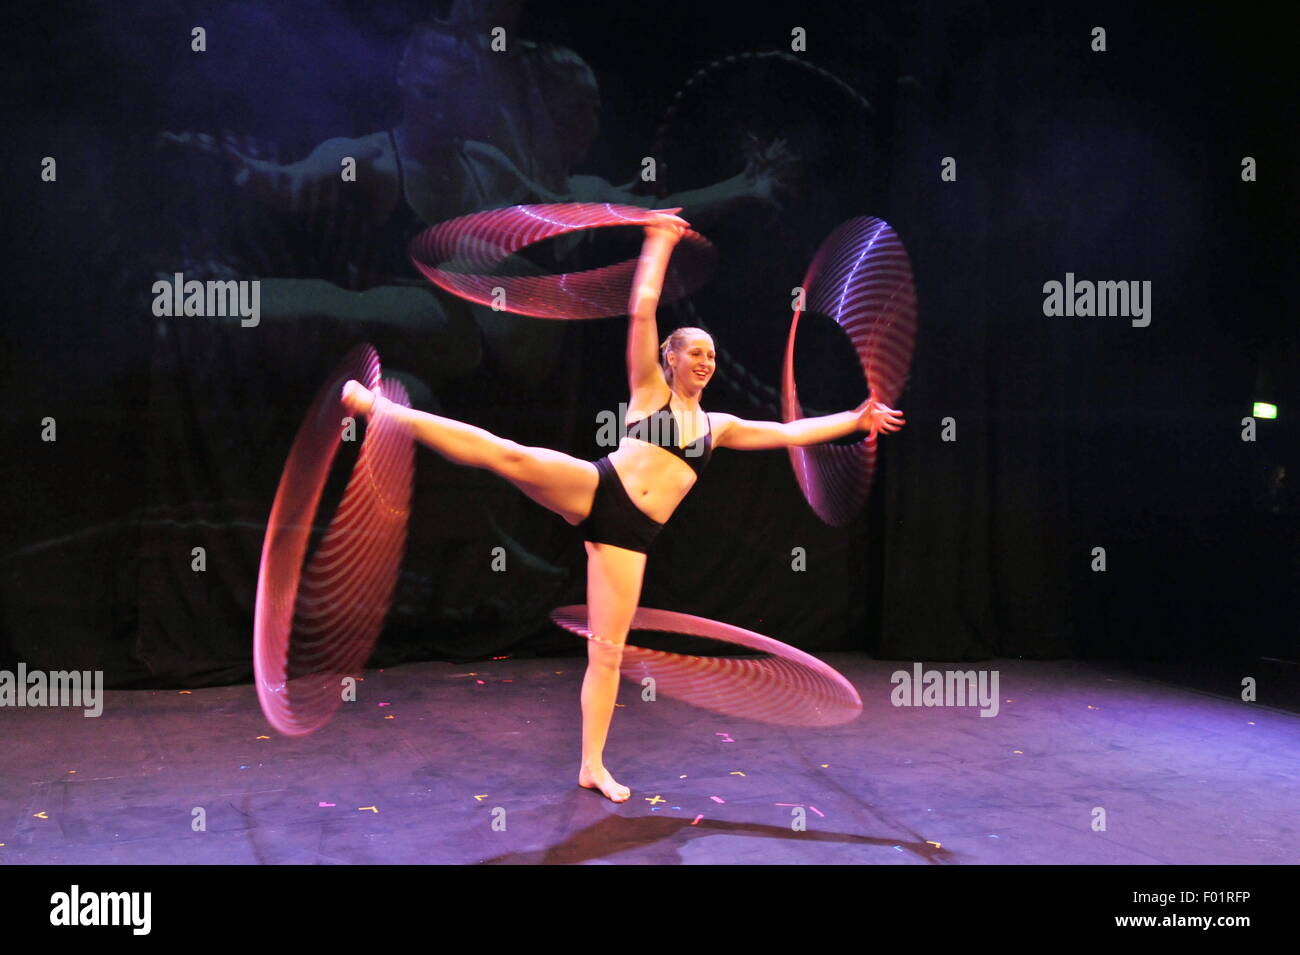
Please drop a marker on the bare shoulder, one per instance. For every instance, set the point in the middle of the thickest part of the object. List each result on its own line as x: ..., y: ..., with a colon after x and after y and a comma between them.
x: 720, y: 422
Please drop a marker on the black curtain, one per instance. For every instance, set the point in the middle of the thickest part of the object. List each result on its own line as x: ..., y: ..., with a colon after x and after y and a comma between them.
x: 1068, y: 434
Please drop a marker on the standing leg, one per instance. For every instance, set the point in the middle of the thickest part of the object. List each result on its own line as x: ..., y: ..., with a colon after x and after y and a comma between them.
x: 614, y: 576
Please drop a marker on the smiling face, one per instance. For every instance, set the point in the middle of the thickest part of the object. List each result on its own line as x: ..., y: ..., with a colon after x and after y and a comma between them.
x: 694, y: 362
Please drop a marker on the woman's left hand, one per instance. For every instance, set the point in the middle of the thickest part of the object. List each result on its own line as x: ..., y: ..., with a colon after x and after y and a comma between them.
x: 874, y: 416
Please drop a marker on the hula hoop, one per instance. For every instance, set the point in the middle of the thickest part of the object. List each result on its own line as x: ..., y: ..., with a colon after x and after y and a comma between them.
x: 861, y: 277
x: 790, y: 688
x: 317, y: 624
x: 458, y: 254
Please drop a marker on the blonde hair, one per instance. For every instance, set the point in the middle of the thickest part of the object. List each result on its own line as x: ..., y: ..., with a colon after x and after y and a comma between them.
x: 674, y: 342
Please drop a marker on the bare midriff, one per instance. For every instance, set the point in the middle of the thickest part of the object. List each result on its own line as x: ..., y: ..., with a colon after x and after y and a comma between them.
x: 655, y: 479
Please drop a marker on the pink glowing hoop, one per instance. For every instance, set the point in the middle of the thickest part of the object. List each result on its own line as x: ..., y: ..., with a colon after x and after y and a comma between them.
x: 316, y: 625
x: 459, y: 254
x: 790, y: 687
x: 862, y: 278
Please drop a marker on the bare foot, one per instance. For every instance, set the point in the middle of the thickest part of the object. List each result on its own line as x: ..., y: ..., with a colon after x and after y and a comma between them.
x: 357, y: 398
x: 599, y: 778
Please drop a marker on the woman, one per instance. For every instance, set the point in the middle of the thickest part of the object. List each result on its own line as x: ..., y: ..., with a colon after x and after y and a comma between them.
x: 622, y: 501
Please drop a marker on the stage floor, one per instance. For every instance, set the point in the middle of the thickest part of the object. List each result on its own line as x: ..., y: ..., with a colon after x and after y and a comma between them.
x: 439, y: 763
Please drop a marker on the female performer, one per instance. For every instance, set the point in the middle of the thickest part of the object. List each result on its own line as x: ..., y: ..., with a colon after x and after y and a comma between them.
x: 622, y: 501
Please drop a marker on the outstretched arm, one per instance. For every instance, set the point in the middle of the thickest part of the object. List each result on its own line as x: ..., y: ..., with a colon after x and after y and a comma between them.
x: 871, y: 416
x: 643, y: 371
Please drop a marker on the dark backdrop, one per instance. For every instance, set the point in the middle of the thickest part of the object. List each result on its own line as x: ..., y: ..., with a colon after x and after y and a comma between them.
x: 1072, y: 433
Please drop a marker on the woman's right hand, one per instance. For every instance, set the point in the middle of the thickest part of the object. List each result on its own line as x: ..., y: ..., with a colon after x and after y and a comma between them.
x: 667, y: 225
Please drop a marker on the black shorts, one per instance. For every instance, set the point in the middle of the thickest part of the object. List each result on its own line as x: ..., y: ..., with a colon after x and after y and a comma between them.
x: 614, y: 519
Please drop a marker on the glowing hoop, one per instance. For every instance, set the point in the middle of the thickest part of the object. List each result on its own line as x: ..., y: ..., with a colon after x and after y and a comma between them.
x: 315, y: 625
x: 457, y: 255
x: 790, y: 687
x: 861, y: 277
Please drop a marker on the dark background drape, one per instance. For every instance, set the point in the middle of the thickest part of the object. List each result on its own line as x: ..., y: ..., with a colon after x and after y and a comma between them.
x: 1070, y: 433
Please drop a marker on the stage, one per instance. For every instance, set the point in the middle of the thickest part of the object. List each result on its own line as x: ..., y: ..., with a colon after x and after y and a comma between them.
x: 477, y: 764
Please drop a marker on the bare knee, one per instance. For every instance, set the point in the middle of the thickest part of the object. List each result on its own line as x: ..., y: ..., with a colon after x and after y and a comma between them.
x: 512, y: 460
x: 602, y: 656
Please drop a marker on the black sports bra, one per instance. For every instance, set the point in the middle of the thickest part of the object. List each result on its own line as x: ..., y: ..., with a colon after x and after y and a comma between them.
x: 663, y: 433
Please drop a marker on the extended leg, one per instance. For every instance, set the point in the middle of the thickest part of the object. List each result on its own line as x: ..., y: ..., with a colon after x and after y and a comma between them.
x: 557, y: 481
